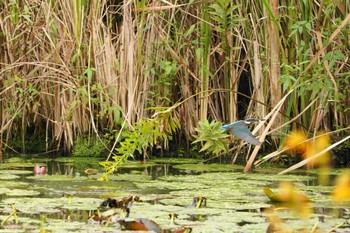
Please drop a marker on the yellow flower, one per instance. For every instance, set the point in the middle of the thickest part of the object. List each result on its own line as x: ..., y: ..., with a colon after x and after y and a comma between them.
x: 296, y: 141
x: 318, y: 145
x: 341, y: 191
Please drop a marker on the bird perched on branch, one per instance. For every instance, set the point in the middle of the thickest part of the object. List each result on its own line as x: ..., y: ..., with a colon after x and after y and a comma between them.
x: 240, y: 130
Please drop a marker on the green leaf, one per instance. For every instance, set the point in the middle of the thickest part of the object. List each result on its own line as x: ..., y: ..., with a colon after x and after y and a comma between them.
x: 213, y: 136
x: 190, y: 30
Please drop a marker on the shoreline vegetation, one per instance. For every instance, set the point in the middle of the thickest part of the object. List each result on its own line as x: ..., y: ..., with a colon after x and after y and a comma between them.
x: 141, y: 75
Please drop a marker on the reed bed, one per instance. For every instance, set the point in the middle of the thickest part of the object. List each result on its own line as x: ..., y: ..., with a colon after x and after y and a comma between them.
x: 72, y: 68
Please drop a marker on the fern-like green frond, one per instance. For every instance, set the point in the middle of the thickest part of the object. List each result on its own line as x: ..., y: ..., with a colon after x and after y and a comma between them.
x: 212, y: 136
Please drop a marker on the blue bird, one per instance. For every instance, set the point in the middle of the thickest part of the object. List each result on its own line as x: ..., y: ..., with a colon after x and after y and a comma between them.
x: 240, y: 130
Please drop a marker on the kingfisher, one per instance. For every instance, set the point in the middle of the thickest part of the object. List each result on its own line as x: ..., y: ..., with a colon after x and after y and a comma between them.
x: 240, y: 130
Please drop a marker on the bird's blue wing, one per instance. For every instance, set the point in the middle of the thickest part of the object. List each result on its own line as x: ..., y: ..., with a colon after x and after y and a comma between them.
x: 226, y: 127
x: 240, y: 130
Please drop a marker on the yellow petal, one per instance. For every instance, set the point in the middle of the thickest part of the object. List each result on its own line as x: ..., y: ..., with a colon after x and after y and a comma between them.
x: 341, y: 191
x: 296, y: 140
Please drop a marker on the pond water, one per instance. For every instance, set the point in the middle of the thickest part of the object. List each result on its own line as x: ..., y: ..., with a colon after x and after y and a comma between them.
x: 65, y: 198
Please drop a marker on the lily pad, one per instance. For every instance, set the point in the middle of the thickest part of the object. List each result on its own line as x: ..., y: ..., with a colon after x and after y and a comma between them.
x: 16, y: 160
x: 57, y: 177
x: 76, y: 226
x: 126, y: 177
x: 176, y: 161
x: 79, y: 203
x: 132, y: 164
x: 34, y: 205
x: 234, y: 199
x: 78, y: 160
x: 4, y: 190
x: 21, y: 192
x: 8, y: 177
x: 16, y: 172
x: 13, y: 184
x: 214, y: 167
x: 16, y: 165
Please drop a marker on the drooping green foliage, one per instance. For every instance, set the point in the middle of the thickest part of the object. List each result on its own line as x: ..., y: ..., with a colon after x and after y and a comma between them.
x: 146, y: 134
x: 212, y: 136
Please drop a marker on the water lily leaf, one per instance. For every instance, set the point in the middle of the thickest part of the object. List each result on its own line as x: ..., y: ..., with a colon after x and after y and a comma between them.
x: 22, y: 192
x: 59, y: 225
x: 16, y: 172
x: 13, y: 184
x: 16, y: 165
x: 138, y: 164
x: 8, y: 177
x: 176, y: 160
x: 57, y: 178
x: 16, y: 160
x: 81, y: 203
x: 78, y: 160
x: 209, y: 167
x: 4, y: 190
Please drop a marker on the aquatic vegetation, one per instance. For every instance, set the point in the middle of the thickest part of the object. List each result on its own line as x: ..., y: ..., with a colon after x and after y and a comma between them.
x: 13, y: 214
x: 201, y: 167
x: 291, y: 198
x: 16, y: 172
x: 91, y: 171
x: 137, y: 164
x: 78, y: 160
x: 140, y: 224
x: 21, y: 192
x: 173, y: 161
x: 8, y: 176
x: 199, y: 202
x: 315, y: 153
x: 234, y: 200
x: 140, y: 177
x: 14, y: 165
x: 57, y: 177
x: 288, y: 195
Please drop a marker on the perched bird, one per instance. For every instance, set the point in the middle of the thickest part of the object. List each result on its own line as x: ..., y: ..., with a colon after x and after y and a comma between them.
x: 240, y: 130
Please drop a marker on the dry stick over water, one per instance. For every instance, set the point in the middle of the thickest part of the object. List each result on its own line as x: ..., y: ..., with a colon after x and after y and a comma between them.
x: 274, y: 114
x: 305, y: 161
x: 314, y: 59
x: 275, y: 153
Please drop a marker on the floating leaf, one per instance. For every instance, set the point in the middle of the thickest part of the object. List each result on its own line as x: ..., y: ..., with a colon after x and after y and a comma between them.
x: 290, y: 197
x: 22, y: 192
